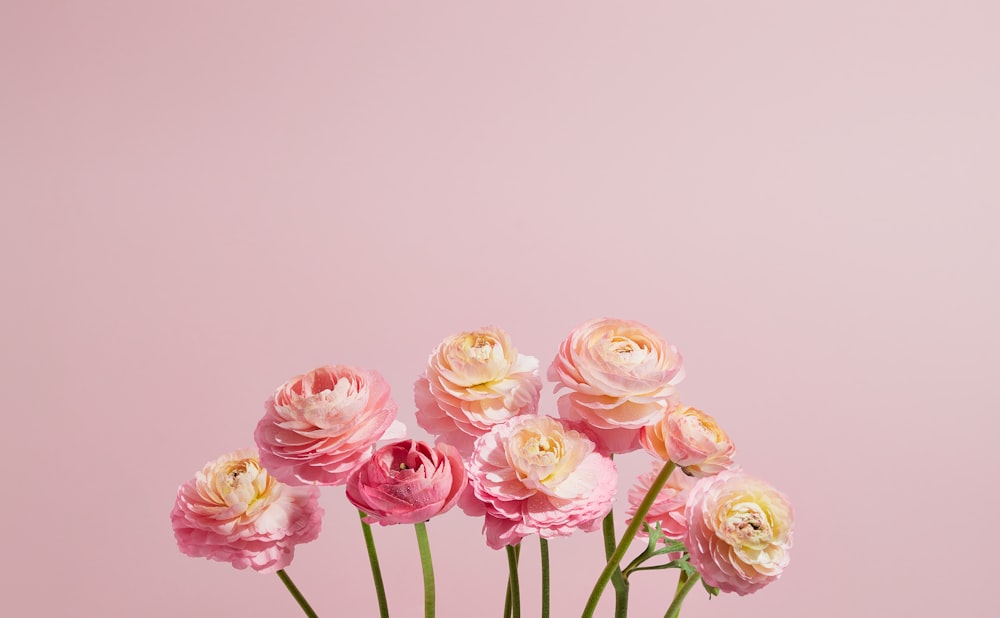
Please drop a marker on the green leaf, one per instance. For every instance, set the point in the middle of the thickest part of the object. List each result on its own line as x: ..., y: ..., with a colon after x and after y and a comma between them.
x: 673, y: 564
x: 711, y: 590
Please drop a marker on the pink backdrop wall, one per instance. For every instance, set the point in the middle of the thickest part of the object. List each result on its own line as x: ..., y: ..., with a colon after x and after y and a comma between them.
x: 202, y: 199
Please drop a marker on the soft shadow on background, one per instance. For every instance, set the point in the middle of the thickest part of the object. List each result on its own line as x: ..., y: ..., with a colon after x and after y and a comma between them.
x: 201, y: 200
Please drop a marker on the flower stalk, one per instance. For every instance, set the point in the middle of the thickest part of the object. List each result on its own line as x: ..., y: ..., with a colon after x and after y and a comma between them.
x: 513, y: 586
x: 292, y: 588
x: 618, y: 581
x: 675, y: 607
x: 623, y: 545
x: 544, y: 547
x: 427, y: 567
x: 383, y: 604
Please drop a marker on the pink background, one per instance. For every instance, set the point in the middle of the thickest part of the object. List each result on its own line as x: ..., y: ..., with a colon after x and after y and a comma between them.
x: 202, y: 199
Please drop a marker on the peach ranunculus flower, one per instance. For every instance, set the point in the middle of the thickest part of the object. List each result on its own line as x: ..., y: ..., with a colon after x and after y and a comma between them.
x: 473, y: 381
x: 739, y: 531
x: 621, y: 376
x: 321, y: 425
x: 692, y: 440
x: 668, y: 508
x: 234, y: 511
x: 536, y: 474
x: 407, y: 482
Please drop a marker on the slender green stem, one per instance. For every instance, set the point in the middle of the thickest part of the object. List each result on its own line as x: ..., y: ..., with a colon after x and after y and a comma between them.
x: 515, y: 587
x: 675, y: 608
x: 619, y: 553
x: 544, y: 546
x: 383, y: 605
x: 296, y: 594
x: 617, y: 579
x: 680, y: 581
x: 507, y: 605
x: 427, y: 567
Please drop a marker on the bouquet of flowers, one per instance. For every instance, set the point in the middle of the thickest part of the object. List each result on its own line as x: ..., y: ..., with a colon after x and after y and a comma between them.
x: 497, y: 458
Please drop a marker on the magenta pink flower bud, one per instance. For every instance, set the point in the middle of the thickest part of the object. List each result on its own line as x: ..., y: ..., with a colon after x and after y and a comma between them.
x: 407, y: 482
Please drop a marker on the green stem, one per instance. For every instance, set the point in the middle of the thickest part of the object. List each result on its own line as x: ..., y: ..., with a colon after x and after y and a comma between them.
x: 506, y: 605
x: 296, y: 594
x: 515, y: 587
x: 427, y: 567
x: 383, y: 605
x: 619, y: 553
x: 544, y: 546
x: 675, y: 607
x: 617, y: 579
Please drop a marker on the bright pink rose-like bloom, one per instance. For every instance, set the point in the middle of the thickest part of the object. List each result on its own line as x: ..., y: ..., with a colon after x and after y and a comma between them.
x: 621, y: 376
x: 692, y: 440
x: 473, y: 381
x: 668, y: 508
x: 739, y: 531
x: 407, y: 482
x: 321, y: 425
x: 535, y: 474
x: 234, y: 511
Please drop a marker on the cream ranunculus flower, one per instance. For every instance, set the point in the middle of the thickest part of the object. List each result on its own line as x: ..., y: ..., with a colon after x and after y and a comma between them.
x: 234, y: 511
x: 739, y: 531
x: 538, y: 475
x: 319, y: 426
x: 692, y: 440
x: 621, y: 375
x: 473, y: 381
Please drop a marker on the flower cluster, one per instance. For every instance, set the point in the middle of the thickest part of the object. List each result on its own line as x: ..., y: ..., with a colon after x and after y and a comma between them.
x: 499, y: 457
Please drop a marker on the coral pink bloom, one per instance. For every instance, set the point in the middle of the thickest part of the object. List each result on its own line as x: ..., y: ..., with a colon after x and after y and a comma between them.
x: 234, y: 511
x: 668, y: 507
x: 692, y: 440
x: 739, y: 531
x: 535, y: 474
x: 321, y: 425
x: 473, y: 381
x: 621, y: 376
x: 407, y: 482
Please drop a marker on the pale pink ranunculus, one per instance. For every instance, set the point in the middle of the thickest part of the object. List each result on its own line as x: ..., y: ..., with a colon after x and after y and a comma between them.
x: 668, y: 507
x: 321, y: 425
x: 538, y: 475
x: 621, y: 376
x: 692, y: 440
x: 473, y: 381
x: 407, y: 482
x: 234, y: 511
x: 739, y: 531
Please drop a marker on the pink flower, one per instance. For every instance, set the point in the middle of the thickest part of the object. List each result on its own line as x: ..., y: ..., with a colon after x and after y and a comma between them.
x: 739, y: 531
x: 535, y: 474
x: 692, y: 440
x: 668, y: 508
x: 321, y: 425
x: 234, y: 511
x: 407, y: 482
x: 473, y: 381
x: 622, y: 376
